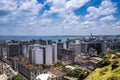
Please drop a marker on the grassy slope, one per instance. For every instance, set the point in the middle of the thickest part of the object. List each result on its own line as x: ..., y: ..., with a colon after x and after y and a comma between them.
x: 107, y: 72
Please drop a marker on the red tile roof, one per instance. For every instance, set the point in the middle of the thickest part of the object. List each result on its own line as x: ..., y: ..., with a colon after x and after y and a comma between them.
x: 28, y: 65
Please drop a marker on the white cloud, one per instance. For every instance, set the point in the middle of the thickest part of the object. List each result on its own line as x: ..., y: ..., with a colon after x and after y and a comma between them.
x: 106, y: 8
x: 74, y: 4
x: 70, y: 19
x: 8, y: 5
x: 107, y: 18
x: 64, y: 5
x: 116, y: 25
x: 64, y: 9
x: 20, y: 11
x: 89, y: 22
x: 30, y: 7
x: 25, y: 15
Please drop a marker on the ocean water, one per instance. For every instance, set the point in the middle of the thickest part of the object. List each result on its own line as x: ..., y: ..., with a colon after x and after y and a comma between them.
x: 54, y: 38
x: 26, y: 38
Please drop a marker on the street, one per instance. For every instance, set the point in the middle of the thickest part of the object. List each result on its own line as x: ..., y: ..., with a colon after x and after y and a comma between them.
x: 8, y: 72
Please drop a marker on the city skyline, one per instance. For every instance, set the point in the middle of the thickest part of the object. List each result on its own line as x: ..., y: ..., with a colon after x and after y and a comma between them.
x: 59, y: 17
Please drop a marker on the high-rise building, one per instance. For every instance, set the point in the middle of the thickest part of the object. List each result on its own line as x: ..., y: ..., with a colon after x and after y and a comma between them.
x: 59, y: 45
x: 66, y: 54
x: 92, y: 52
x: 54, y: 46
x: 39, y: 54
x: 104, y: 47
x: 84, y: 47
x: 13, y: 49
x: 49, y: 42
x: 95, y: 45
x: 48, y: 55
x: 76, y: 47
x: 25, y: 51
x: 100, y: 47
x: 1, y: 51
x: 65, y: 45
x: 42, y: 42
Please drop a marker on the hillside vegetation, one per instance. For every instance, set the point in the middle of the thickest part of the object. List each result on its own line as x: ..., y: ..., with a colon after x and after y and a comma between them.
x: 109, y: 71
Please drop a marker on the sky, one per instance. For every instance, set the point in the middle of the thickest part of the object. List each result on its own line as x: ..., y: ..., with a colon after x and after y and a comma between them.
x: 59, y: 17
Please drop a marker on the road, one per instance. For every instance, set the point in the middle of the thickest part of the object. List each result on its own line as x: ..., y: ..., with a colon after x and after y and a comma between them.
x: 8, y: 72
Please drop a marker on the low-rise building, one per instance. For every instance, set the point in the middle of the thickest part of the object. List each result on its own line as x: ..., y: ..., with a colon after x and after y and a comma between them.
x: 70, y: 67
x: 1, y: 68
x: 27, y: 70
x: 43, y: 77
x: 94, y: 62
x: 51, y: 75
x: 92, y: 52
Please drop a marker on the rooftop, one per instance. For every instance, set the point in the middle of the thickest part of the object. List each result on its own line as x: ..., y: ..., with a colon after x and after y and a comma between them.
x: 94, y: 61
x: 70, y: 67
x: 28, y: 65
x: 96, y: 58
x: 50, y: 75
x: 69, y: 49
x: 10, y: 43
x: 43, y: 77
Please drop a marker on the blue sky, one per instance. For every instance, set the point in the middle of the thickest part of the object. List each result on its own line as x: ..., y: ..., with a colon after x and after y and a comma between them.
x: 59, y: 17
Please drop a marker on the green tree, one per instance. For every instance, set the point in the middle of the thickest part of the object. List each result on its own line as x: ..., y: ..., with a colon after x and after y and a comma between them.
x: 17, y: 77
x: 114, y: 65
x: 40, y: 67
x: 106, y: 62
x: 112, y: 51
x: 77, y: 73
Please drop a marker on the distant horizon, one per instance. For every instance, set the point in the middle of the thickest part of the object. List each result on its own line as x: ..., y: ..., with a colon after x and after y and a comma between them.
x: 66, y: 35
x: 54, y: 38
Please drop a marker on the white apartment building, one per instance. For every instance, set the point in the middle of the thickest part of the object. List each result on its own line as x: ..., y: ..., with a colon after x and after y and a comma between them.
x: 43, y: 54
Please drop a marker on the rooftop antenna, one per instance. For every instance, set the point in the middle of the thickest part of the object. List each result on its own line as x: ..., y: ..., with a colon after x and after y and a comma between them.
x: 91, y: 36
